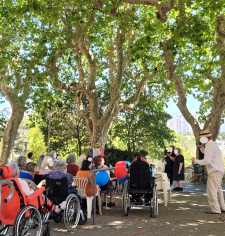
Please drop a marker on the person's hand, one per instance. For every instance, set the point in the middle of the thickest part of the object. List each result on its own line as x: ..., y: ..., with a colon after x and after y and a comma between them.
x: 168, y: 154
x: 178, y: 172
x: 193, y: 160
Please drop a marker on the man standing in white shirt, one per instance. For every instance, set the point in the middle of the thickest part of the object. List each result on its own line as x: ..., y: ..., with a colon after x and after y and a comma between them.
x: 214, y: 165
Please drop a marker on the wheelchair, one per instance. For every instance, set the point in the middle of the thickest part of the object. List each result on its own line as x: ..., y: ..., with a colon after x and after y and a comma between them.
x: 58, y: 192
x: 23, y: 213
x: 140, y: 188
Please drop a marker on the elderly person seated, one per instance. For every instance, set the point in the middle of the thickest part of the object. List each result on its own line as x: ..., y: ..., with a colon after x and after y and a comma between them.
x: 80, y: 160
x: 59, y: 171
x: 53, y: 155
x: 72, y: 168
x: 16, y: 172
x: 84, y: 172
x: 46, y: 166
x: 22, y: 162
x: 29, y: 172
x: 99, y: 163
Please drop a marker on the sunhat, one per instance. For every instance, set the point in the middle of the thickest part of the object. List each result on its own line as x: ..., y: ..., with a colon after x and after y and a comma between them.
x: 205, y: 133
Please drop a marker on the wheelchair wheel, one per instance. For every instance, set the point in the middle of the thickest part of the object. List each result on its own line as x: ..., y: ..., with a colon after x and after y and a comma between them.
x: 71, y: 212
x: 28, y: 220
x: 154, y: 204
x: 3, y: 229
x: 46, y: 232
x: 58, y: 217
x: 45, y: 216
x: 125, y: 202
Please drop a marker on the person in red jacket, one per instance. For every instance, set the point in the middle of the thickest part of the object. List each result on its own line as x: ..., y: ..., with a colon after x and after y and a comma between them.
x: 72, y: 168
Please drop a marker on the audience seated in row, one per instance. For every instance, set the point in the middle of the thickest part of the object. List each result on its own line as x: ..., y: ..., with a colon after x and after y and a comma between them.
x: 16, y: 173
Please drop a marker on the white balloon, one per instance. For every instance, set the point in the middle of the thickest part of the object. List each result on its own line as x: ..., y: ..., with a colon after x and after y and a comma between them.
x: 170, y: 149
x: 55, y: 155
x: 58, y: 157
x: 203, y: 140
x: 176, y: 152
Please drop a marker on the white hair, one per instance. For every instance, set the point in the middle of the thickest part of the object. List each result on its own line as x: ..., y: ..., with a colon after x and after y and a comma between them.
x: 46, y: 161
x: 51, y: 154
x: 15, y: 167
x: 80, y: 160
x: 59, y: 165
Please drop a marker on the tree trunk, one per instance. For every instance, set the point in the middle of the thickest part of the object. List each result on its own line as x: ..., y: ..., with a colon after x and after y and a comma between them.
x: 10, y: 133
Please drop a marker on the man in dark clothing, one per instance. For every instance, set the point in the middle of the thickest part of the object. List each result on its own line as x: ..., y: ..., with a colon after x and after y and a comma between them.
x: 169, y: 158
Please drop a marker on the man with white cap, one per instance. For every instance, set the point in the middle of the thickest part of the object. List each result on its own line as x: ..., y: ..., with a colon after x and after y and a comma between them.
x: 214, y: 165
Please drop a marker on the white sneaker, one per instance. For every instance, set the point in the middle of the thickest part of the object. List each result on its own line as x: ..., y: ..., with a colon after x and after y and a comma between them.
x: 57, y: 210
x: 63, y: 205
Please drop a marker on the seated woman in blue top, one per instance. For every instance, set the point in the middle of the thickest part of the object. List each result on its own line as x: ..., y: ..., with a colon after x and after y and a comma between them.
x: 29, y: 171
x: 59, y: 171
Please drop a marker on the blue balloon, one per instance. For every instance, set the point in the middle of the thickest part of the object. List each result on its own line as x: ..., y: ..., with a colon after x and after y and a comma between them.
x: 127, y: 162
x: 123, y: 179
x: 102, y: 178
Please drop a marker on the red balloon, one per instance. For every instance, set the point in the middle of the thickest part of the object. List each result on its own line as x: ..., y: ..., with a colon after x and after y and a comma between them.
x: 120, y: 172
x: 121, y: 163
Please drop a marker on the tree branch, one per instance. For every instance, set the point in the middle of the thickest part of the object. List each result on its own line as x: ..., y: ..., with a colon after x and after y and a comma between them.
x: 182, y: 100
x: 163, y: 8
x: 140, y: 88
x: 208, y: 74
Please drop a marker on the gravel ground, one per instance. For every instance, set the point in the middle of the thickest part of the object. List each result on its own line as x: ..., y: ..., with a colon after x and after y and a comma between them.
x: 184, y: 216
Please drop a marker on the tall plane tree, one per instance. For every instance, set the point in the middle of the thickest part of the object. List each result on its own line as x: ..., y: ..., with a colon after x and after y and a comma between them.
x: 91, y: 55
x: 18, y: 68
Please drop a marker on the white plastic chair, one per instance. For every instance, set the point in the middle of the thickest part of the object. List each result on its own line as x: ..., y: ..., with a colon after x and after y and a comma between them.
x: 163, y: 184
x: 81, y: 184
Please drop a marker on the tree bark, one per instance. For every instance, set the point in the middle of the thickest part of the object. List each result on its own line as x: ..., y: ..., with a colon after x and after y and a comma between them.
x: 11, y: 132
x: 17, y: 102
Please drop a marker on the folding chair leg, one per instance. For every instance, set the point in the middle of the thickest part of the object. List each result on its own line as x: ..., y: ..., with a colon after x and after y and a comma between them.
x: 165, y: 193
x: 99, y: 205
x: 169, y: 196
x: 89, y: 206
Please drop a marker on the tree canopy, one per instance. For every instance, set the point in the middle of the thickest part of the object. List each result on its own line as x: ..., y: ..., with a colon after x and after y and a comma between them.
x: 106, y: 53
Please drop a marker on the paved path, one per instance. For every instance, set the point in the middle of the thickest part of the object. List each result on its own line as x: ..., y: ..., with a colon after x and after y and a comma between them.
x: 187, y: 210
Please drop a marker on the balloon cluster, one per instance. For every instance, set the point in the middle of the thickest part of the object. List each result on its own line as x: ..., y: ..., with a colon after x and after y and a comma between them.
x: 102, y: 177
x: 120, y: 171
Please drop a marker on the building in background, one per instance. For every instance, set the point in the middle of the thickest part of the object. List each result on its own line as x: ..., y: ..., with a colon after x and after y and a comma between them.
x: 179, y: 124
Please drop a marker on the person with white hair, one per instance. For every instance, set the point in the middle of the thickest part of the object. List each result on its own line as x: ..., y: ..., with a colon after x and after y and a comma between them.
x: 178, y: 169
x: 60, y: 171
x: 46, y: 166
x: 16, y: 173
x: 214, y: 164
x: 80, y: 160
x: 72, y: 168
